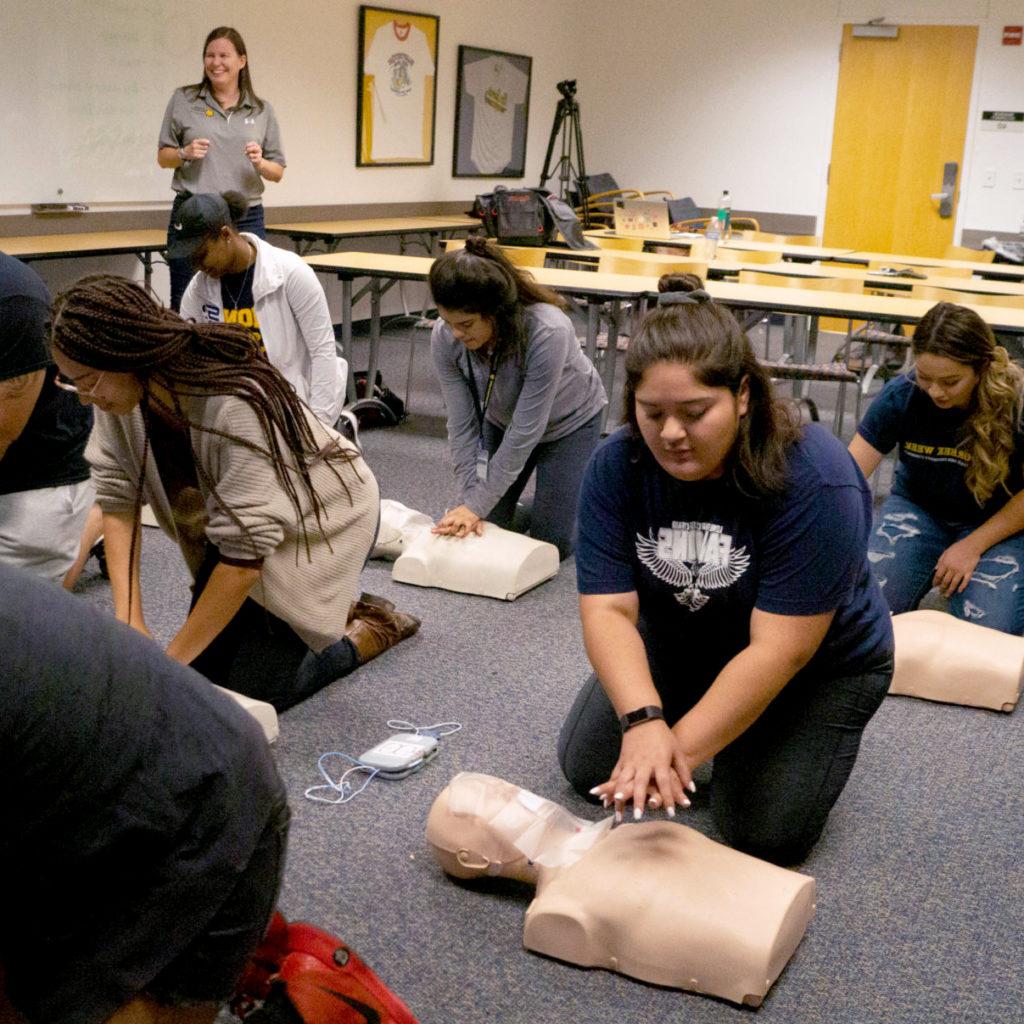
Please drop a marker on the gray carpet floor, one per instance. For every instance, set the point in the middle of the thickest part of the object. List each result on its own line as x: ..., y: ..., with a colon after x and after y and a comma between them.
x: 920, y: 894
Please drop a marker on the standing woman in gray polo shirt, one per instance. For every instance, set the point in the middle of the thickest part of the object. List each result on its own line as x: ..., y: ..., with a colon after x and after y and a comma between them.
x: 219, y: 136
x: 521, y: 395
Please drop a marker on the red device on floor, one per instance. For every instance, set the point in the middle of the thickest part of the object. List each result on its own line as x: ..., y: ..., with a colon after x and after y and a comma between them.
x: 301, y: 974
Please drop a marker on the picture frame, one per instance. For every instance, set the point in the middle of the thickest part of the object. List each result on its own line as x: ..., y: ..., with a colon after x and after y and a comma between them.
x: 396, y: 87
x: 492, y: 111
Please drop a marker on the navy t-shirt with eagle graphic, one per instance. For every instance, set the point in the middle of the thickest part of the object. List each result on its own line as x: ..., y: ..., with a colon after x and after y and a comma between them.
x: 701, y: 556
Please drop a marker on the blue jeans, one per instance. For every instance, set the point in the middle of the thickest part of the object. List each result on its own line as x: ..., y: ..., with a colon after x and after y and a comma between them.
x: 559, y: 466
x: 905, y: 546
x: 182, y: 270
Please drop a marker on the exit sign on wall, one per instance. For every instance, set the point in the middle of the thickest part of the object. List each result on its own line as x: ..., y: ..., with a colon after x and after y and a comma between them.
x: 1012, y: 35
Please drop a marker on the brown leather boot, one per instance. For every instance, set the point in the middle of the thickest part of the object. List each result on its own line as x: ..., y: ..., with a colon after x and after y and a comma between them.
x: 376, y: 600
x: 373, y: 629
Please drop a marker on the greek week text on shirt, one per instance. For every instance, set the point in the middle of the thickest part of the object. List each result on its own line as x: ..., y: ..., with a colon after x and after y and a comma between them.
x: 932, y: 460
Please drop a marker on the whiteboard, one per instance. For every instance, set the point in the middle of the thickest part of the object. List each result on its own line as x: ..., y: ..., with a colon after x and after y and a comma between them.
x: 85, y: 84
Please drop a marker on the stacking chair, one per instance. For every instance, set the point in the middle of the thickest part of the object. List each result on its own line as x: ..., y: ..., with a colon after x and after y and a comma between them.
x: 724, y: 255
x: 739, y: 225
x: 767, y: 236
x: 616, y: 242
x: 614, y: 262
x: 806, y: 370
x: 962, y: 252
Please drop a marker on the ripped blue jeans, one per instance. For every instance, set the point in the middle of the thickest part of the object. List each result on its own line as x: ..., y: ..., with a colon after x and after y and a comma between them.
x: 904, y: 547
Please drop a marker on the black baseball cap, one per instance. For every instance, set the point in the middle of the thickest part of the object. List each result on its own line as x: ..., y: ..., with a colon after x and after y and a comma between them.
x: 197, y: 218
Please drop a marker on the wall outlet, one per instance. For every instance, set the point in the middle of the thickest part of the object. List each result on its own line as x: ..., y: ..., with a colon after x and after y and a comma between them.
x: 988, y: 178
x: 1018, y: 179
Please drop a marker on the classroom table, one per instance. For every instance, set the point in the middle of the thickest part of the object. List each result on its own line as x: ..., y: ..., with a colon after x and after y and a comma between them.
x: 933, y: 277
x: 421, y: 230
x: 384, y: 269
x: 789, y: 251
x: 1014, y: 271
x: 139, y: 242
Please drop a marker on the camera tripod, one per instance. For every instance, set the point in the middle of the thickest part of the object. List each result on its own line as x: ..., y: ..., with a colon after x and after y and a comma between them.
x: 567, y: 121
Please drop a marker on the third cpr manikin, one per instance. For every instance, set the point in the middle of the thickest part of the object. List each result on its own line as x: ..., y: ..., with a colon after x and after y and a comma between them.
x: 655, y: 900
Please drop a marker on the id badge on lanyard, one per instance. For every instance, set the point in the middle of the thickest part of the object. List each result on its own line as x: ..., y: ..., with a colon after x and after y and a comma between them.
x: 482, y: 457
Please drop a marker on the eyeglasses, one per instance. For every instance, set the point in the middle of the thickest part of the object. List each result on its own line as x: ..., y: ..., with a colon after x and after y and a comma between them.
x: 67, y: 385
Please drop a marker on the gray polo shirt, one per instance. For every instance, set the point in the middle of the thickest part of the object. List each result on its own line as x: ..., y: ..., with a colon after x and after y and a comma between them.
x: 225, y: 166
x: 556, y: 391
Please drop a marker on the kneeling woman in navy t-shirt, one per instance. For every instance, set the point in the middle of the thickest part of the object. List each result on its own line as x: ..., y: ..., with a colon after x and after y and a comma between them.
x: 728, y: 608
x: 956, y: 511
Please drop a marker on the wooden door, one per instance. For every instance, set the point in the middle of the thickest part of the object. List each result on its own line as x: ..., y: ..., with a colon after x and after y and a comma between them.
x: 901, y: 114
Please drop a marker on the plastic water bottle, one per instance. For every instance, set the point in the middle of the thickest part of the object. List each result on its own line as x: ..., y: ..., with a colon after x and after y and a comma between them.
x: 712, y: 236
x: 724, y: 215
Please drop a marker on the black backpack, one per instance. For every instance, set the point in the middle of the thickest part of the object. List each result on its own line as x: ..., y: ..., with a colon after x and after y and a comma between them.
x: 514, y: 216
x: 528, y: 216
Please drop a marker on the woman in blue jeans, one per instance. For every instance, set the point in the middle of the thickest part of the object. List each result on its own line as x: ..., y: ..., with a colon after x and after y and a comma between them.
x: 522, y: 398
x: 956, y: 511
x: 727, y: 604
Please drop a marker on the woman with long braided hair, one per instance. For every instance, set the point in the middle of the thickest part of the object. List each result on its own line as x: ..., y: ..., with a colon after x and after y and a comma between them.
x: 275, y: 513
x: 956, y: 511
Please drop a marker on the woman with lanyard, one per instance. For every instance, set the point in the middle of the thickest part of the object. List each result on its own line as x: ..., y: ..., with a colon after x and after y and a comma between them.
x: 217, y: 136
x: 727, y: 604
x: 521, y: 395
x: 274, y: 513
x: 956, y: 511
x: 272, y: 292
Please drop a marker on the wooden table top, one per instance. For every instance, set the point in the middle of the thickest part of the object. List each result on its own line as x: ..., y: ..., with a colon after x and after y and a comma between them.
x: 86, y: 243
x: 872, y: 279
x: 416, y: 268
x: 818, y: 252
x: 813, y: 302
x: 329, y: 229
x: 1012, y: 270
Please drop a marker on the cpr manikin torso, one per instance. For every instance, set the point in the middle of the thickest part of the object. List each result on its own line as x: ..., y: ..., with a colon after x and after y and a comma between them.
x: 940, y: 657
x: 499, y: 564
x: 656, y: 900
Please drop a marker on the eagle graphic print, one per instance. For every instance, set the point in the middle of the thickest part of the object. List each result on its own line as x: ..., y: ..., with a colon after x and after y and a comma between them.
x: 694, y: 557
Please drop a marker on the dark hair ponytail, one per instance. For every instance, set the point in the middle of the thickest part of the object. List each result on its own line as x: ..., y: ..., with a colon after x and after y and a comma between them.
x: 480, y: 279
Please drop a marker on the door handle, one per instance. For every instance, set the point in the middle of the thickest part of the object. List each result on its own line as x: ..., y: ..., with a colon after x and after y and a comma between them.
x: 946, y: 196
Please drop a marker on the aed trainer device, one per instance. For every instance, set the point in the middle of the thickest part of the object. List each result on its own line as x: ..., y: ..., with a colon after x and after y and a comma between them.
x: 400, y: 755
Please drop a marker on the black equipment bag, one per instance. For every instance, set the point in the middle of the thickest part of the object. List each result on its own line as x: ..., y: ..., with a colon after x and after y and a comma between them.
x: 515, y: 216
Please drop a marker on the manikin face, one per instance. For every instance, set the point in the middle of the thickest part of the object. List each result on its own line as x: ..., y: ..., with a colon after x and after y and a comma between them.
x: 116, y: 393
x: 949, y: 384
x: 474, y: 330
x: 690, y: 428
x: 222, y: 64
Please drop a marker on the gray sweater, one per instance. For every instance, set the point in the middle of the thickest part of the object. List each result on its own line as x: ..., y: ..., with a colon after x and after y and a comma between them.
x: 313, y: 593
x: 555, y: 392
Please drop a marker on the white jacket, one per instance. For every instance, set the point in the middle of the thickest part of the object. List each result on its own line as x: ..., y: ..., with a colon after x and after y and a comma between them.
x: 294, y: 320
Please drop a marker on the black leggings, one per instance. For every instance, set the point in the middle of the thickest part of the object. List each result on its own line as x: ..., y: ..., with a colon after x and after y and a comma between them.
x: 775, y: 784
x: 260, y: 655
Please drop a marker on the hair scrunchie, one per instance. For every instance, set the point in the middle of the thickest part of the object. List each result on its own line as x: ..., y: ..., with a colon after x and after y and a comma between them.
x: 694, y: 298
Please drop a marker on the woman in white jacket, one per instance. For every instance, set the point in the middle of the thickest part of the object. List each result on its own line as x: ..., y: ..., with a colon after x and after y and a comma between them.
x: 272, y: 292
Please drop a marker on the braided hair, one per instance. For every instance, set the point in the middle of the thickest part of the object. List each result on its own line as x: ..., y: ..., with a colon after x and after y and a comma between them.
x: 110, y: 324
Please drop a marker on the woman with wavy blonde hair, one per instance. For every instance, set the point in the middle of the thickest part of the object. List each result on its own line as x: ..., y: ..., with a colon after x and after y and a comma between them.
x: 956, y: 511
